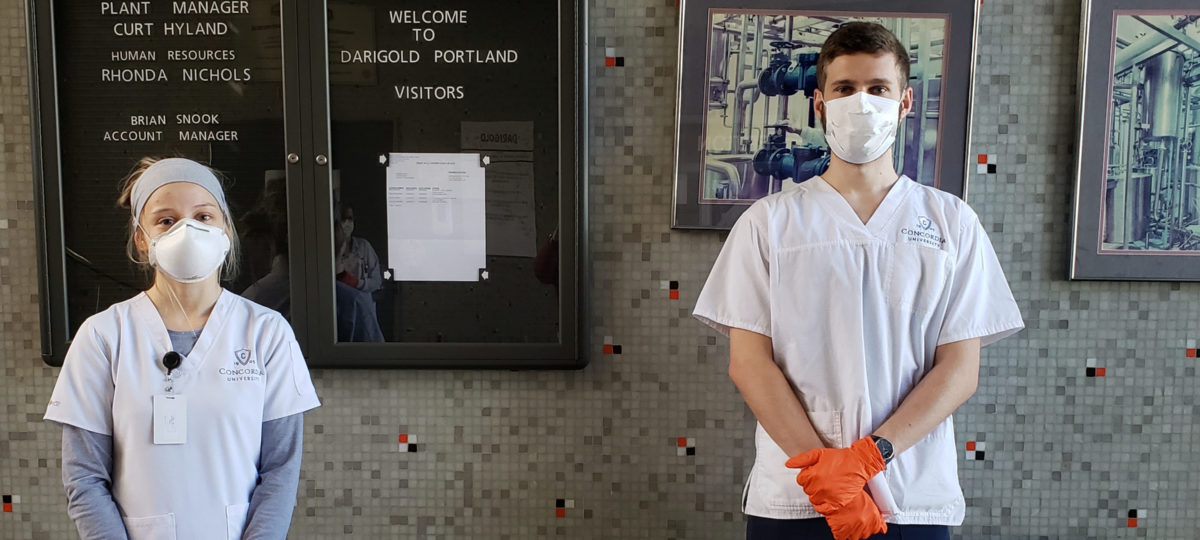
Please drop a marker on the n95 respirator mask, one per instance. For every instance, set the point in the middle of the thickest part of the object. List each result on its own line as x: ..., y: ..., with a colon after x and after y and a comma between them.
x: 189, y: 251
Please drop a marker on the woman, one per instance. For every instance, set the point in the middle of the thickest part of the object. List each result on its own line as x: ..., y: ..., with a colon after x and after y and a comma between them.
x: 358, y: 276
x: 357, y: 262
x: 182, y: 407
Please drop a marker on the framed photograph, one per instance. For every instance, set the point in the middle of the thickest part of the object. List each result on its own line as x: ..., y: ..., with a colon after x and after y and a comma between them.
x: 1137, y: 195
x: 747, y: 71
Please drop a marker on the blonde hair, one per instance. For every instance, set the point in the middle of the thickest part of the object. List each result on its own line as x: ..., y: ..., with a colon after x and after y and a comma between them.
x: 231, y: 266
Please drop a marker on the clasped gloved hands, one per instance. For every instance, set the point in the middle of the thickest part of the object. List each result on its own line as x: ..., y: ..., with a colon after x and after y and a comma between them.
x: 857, y: 520
x: 834, y: 479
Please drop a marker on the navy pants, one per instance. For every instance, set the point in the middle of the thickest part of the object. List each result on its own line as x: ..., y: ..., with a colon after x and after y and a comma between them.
x: 760, y: 528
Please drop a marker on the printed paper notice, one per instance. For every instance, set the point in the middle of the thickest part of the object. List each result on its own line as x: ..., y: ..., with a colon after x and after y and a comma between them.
x: 511, y: 230
x: 511, y: 209
x: 437, y: 228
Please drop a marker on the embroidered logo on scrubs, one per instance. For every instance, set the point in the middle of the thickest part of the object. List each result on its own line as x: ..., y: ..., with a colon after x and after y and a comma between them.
x: 244, y: 368
x: 925, y: 232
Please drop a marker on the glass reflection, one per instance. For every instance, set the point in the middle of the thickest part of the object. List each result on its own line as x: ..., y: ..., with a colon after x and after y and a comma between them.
x: 358, y: 277
x: 215, y: 99
x: 479, y: 78
x: 264, y: 235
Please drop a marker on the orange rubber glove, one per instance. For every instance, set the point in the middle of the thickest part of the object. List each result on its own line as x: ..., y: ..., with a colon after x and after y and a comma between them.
x: 858, y: 519
x: 833, y: 476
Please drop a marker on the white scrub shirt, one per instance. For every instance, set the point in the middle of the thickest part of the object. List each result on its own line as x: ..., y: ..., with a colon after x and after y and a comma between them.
x: 855, y: 312
x: 245, y: 369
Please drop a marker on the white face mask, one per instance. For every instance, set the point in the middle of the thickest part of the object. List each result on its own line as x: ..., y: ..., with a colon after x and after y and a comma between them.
x: 189, y: 251
x: 861, y: 127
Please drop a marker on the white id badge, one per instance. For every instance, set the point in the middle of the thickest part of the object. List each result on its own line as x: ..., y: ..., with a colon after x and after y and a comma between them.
x: 170, y: 419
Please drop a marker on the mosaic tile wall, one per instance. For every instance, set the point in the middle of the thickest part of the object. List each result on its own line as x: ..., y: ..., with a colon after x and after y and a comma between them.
x: 1083, y: 425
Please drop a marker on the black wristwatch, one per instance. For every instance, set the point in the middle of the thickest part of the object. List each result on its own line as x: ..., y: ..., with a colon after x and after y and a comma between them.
x: 885, y: 448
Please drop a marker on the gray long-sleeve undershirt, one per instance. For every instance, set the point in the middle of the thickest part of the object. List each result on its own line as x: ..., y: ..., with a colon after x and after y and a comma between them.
x: 87, y: 464
x: 87, y: 477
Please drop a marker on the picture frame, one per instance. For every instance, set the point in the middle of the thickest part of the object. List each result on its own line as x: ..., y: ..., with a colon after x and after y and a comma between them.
x: 744, y: 124
x: 1137, y: 173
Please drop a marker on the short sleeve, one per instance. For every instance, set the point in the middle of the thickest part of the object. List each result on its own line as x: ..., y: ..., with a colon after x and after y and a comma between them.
x: 737, y: 293
x: 83, y: 394
x: 289, y: 387
x: 980, y: 304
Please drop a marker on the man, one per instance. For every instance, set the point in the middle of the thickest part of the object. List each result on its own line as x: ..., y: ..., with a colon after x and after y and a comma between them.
x: 856, y: 306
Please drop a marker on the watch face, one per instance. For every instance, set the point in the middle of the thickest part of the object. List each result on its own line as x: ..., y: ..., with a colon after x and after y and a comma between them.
x: 885, y: 448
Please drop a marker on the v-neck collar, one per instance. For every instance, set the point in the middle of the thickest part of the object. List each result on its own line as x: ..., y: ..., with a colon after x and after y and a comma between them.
x: 883, y: 213
x: 208, y: 335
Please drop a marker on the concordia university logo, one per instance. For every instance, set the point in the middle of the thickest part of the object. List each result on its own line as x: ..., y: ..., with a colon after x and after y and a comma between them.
x: 244, y: 368
x: 925, y: 233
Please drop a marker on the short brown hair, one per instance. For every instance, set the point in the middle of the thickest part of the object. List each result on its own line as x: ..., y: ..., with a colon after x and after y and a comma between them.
x: 862, y: 37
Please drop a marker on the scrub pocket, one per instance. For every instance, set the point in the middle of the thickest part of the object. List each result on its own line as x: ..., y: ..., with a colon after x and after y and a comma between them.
x: 924, y: 478
x: 773, y: 486
x: 235, y: 519
x: 160, y: 527
x: 916, y: 278
x: 829, y: 427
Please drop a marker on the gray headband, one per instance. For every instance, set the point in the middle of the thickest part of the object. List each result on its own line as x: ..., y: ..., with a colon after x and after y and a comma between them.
x: 169, y: 171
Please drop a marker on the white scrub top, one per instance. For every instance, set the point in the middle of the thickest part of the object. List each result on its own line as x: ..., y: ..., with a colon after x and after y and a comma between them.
x: 855, y: 312
x: 245, y: 369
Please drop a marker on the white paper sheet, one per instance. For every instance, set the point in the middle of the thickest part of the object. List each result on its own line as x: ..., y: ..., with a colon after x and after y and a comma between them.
x: 511, y: 230
x: 511, y: 209
x: 437, y: 229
